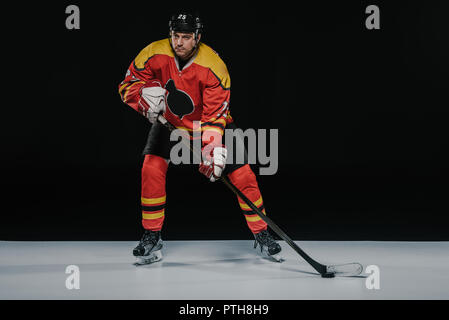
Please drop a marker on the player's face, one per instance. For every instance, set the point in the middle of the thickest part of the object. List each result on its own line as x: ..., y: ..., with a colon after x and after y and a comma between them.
x: 183, y: 44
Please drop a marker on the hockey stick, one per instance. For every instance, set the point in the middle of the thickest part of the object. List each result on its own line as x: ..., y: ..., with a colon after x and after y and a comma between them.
x: 326, y: 271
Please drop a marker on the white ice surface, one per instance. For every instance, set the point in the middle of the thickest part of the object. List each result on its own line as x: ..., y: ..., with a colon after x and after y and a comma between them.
x: 222, y: 270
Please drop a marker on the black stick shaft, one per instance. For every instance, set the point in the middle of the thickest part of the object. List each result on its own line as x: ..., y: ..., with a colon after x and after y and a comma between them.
x: 316, y: 265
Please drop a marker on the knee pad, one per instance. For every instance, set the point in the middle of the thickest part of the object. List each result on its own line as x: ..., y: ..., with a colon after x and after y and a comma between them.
x: 154, y: 165
x: 243, y: 177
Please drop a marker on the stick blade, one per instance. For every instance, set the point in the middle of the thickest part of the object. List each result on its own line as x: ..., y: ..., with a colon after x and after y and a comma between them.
x: 345, y: 270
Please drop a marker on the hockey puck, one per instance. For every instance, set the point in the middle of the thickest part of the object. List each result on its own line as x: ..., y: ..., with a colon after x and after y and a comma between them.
x: 328, y: 275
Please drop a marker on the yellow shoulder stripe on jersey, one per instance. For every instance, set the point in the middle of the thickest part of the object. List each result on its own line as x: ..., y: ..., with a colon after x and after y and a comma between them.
x: 158, y: 47
x: 208, y: 58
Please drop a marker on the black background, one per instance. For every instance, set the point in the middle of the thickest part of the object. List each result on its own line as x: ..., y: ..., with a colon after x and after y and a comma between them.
x: 362, y: 119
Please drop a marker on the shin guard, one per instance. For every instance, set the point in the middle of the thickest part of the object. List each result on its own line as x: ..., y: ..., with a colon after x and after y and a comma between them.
x: 245, y: 180
x: 153, y: 195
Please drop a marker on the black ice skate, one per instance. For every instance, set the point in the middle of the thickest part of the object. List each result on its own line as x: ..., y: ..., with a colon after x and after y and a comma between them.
x: 268, y: 246
x: 149, y: 249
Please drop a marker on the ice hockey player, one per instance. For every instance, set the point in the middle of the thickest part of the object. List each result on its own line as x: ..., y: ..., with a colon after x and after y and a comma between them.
x: 185, y: 80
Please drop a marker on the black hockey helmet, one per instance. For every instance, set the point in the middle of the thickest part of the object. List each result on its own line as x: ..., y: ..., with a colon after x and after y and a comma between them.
x: 186, y: 22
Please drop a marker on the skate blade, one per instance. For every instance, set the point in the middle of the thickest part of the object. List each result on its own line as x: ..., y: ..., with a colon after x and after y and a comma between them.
x: 276, y: 258
x: 152, y: 258
x: 273, y: 257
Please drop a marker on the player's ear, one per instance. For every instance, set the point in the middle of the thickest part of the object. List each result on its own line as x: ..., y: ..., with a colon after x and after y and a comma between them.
x: 198, y: 38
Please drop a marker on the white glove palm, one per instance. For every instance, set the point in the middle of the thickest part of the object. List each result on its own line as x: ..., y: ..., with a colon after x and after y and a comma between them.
x: 212, y: 167
x: 153, y: 102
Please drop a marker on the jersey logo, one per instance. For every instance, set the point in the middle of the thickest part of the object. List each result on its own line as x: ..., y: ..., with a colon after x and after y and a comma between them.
x: 178, y: 101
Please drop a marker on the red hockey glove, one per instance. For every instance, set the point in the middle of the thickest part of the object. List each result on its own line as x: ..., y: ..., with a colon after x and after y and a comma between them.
x: 213, y: 161
x: 152, y: 101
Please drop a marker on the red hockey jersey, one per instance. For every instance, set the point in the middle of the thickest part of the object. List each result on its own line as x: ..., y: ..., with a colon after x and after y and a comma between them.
x: 200, y: 91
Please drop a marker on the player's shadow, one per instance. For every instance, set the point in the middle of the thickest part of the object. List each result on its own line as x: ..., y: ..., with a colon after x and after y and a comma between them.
x: 214, y: 266
x: 228, y: 265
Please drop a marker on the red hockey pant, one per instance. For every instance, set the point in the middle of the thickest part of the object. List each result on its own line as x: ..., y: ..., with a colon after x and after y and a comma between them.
x: 153, y: 195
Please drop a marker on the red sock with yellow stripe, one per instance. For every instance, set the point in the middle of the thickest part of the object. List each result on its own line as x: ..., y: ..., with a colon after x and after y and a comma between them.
x: 245, y: 180
x: 153, y: 195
